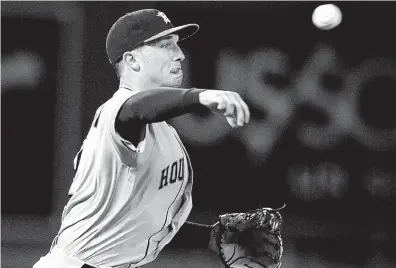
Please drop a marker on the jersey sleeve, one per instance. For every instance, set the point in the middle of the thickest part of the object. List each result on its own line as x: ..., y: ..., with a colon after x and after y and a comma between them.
x: 105, y: 124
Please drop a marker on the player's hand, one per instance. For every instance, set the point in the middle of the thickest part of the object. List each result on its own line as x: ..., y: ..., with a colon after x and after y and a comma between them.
x: 228, y: 103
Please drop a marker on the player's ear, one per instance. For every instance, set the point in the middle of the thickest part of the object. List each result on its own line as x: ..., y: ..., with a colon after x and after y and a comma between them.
x: 131, y: 60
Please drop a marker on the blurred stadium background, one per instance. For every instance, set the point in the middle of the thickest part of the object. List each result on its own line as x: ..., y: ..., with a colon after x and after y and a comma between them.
x: 322, y: 136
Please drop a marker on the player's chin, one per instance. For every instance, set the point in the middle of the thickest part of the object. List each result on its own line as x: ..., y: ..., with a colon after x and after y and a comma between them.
x: 176, y: 81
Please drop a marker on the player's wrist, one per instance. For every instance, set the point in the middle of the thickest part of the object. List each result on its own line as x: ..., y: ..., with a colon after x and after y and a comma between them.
x: 192, y: 96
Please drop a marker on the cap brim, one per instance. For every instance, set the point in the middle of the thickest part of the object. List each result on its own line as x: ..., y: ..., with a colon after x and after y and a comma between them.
x: 184, y: 32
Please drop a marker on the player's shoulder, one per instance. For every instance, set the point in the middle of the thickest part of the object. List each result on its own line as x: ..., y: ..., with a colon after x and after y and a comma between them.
x: 120, y: 96
x: 123, y: 92
x: 110, y: 107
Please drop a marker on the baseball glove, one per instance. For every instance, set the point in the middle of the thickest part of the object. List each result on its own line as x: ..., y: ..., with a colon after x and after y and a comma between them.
x: 251, y: 239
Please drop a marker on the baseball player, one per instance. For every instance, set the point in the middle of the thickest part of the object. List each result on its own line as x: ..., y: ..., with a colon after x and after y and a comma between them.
x: 132, y: 188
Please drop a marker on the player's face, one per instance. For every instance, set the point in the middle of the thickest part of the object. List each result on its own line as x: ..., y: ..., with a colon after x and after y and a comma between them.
x: 161, y: 62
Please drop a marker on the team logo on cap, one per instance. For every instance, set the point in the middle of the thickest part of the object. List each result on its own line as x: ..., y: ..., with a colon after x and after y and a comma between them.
x: 162, y: 15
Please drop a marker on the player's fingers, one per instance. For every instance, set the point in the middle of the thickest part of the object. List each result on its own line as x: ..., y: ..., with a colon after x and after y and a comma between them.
x: 232, y: 121
x: 222, y: 104
x: 230, y: 108
x: 245, y: 108
x: 239, y: 114
x: 239, y: 110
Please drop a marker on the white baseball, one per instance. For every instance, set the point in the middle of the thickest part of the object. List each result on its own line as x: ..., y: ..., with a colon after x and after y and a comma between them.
x: 327, y: 16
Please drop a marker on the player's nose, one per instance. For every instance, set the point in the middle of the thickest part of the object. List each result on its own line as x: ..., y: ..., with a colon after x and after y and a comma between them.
x: 179, y: 55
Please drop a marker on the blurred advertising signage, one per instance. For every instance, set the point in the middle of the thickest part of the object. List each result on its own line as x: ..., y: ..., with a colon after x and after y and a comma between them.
x: 354, y: 103
x: 263, y: 77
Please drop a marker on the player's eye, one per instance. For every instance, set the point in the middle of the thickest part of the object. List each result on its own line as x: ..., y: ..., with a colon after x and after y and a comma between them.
x: 166, y: 45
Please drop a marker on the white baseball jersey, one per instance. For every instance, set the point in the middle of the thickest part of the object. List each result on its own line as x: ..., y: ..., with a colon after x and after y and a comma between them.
x: 127, y: 203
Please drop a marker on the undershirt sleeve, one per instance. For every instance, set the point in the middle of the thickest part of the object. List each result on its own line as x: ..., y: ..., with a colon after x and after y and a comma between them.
x: 154, y: 105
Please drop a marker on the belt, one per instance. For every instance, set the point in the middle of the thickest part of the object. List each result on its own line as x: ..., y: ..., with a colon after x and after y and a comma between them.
x: 58, y: 255
x: 89, y: 266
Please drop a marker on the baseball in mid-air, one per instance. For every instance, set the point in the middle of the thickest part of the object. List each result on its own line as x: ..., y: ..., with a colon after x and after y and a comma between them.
x: 326, y: 17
